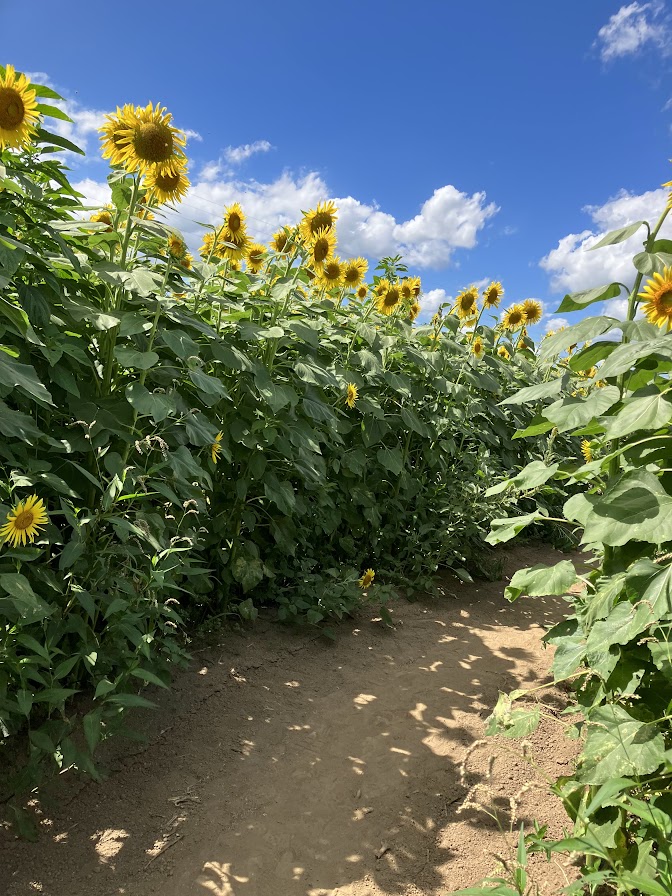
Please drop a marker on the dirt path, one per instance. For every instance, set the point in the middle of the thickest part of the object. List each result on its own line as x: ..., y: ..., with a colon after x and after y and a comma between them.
x: 284, y: 765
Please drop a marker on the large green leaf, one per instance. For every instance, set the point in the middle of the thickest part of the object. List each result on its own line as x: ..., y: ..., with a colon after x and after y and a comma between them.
x: 534, y: 393
x: 537, y: 581
x: 571, y: 413
x: 619, y: 745
x: 648, y: 409
x: 391, y: 459
x: 506, y: 529
x: 636, y: 507
x: 576, y: 301
x: 536, y: 473
x: 22, y: 376
x: 157, y: 405
x: 22, y: 597
x: 623, y: 358
x: 618, y: 235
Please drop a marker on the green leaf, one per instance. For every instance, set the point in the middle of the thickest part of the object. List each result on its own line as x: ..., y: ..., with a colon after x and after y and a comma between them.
x: 23, y: 598
x: 52, y: 112
x: 619, y: 745
x: 577, y: 301
x: 248, y: 571
x: 648, y: 409
x: 153, y: 404
x: 617, y: 236
x: 571, y: 413
x: 149, y: 677
x: 625, y: 356
x: 538, y: 427
x: 129, y: 357
x: 511, y: 722
x: 506, y: 529
x: 534, y: 393
x: 649, y: 263
x: 281, y: 493
x: 532, y: 476
x: 22, y: 376
x: 540, y: 580
x: 130, y: 700
x: 93, y: 728
x: 391, y: 459
x: 636, y: 506
x: 208, y: 384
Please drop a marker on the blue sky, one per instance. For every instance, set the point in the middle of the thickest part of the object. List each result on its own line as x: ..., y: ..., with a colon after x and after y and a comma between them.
x: 486, y: 140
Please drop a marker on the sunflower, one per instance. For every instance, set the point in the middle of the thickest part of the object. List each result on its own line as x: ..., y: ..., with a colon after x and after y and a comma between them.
x: 503, y: 353
x: 234, y: 265
x: 477, y: 347
x: 351, y: 395
x: 355, y: 271
x: 177, y: 248
x: 388, y: 301
x: 207, y: 249
x: 280, y: 241
x: 113, y: 144
x: 466, y: 303
x: 234, y: 222
x: 658, y: 294
x: 256, y: 255
x: 216, y: 447
x: 331, y: 275
x: 514, y: 317
x: 367, y: 579
x: 171, y: 186
x: 104, y: 216
x: 321, y: 218
x: 322, y: 247
x: 492, y: 294
x: 150, y: 142
x: 416, y: 286
x: 24, y: 521
x: 232, y: 246
x: 362, y: 291
x: 414, y: 310
x: 381, y: 287
x: 533, y: 311
x: 18, y: 110
x: 186, y: 261
x: 586, y: 450
x: 406, y: 290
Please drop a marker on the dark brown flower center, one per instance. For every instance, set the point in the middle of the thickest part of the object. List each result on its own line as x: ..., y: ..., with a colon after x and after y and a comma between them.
x: 665, y: 301
x: 153, y: 142
x: 234, y: 222
x: 391, y: 298
x: 167, y: 182
x: 321, y: 250
x: 351, y: 275
x: 320, y: 220
x: 332, y: 271
x: 12, y: 110
x: 24, y: 520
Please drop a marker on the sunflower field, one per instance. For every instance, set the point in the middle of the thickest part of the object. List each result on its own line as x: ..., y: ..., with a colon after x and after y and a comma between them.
x: 192, y: 434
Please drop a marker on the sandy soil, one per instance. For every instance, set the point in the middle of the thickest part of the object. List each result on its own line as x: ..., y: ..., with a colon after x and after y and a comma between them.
x: 285, y: 765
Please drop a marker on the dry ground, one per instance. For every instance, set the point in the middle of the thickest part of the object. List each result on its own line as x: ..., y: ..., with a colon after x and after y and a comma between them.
x: 285, y: 765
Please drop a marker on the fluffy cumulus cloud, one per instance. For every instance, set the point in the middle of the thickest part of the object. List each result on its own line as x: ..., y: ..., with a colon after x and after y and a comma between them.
x: 632, y: 28
x: 553, y: 324
x: 431, y: 301
x: 447, y: 221
x: 94, y: 192
x: 572, y: 267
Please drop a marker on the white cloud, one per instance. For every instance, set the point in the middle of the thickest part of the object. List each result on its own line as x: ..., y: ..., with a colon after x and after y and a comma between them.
x: 554, y: 323
x: 448, y: 220
x: 573, y: 268
x: 193, y: 135
x: 95, y: 193
x: 431, y: 301
x: 629, y: 29
x: 236, y: 155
